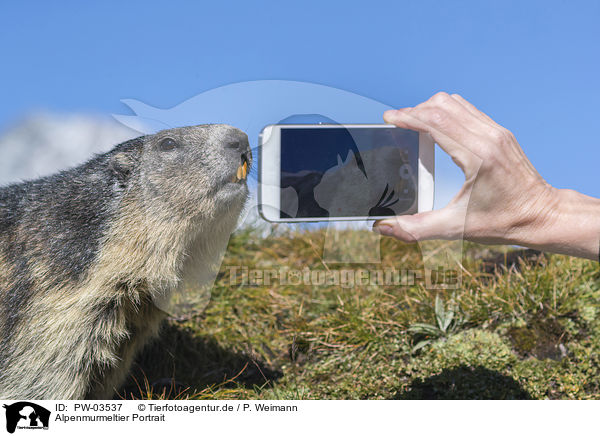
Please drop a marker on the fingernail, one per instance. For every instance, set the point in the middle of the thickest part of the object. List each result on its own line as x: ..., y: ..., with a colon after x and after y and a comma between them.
x: 383, y: 230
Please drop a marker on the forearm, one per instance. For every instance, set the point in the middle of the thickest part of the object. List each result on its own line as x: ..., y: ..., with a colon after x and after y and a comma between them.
x: 571, y: 226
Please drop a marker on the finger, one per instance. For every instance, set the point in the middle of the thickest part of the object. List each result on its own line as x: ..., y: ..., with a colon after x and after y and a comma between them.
x: 462, y: 113
x: 437, y: 224
x: 446, y: 131
x: 473, y: 110
x: 454, y: 106
x: 393, y: 116
x: 496, y: 127
x: 442, y: 113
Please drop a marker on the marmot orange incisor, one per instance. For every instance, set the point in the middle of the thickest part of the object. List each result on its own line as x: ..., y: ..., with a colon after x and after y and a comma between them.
x: 84, y: 252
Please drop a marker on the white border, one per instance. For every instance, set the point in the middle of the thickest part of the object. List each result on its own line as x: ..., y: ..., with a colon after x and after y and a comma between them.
x: 269, y: 162
x: 426, y: 172
x: 313, y: 417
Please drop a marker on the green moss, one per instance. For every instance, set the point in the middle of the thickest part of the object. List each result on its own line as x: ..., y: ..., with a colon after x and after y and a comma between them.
x: 315, y: 342
x: 473, y: 348
x: 472, y: 364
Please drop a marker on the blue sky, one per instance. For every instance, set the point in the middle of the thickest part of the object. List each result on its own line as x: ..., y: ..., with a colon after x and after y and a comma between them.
x: 533, y: 66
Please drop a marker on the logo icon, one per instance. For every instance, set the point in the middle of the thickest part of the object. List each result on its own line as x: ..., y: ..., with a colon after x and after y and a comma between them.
x: 26, y: 415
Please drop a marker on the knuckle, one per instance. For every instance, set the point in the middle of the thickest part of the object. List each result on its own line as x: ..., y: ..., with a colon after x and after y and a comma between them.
x: 500, y: 135
x: 434, y: 116
x: 440, y: 98
x: 402, y: 233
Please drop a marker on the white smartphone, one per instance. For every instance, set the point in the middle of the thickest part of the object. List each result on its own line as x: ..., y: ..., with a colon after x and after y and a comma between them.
x: 349, y: 172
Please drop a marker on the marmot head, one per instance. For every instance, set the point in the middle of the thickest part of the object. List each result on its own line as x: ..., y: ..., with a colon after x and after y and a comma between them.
x: 198, y: 171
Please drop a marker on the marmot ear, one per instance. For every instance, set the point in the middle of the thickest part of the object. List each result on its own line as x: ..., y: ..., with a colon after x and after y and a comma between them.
x: 121, y: 165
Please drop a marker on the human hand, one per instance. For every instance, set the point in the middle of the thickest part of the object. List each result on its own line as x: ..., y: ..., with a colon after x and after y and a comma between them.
x: 503, y: 200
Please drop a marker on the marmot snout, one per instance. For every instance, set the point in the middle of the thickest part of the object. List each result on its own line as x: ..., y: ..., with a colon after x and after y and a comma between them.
x: 85, y: 253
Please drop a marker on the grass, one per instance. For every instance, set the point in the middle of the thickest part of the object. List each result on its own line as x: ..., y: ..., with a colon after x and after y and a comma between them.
x: 523, y: 325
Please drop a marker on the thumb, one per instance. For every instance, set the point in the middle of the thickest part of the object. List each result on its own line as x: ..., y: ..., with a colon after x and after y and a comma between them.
x: 436, y: 224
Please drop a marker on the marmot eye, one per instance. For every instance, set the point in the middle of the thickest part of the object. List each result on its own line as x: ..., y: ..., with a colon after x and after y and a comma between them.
x: 167, y: 144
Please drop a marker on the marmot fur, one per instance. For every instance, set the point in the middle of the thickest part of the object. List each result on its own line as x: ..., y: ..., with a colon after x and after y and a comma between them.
x: 85, y: 252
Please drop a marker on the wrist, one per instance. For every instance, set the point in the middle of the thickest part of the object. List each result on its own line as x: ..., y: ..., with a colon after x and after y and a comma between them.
x: 565, y: 222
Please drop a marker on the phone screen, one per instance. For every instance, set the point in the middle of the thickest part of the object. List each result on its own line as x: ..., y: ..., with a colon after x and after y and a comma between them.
x: 348, y: 172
